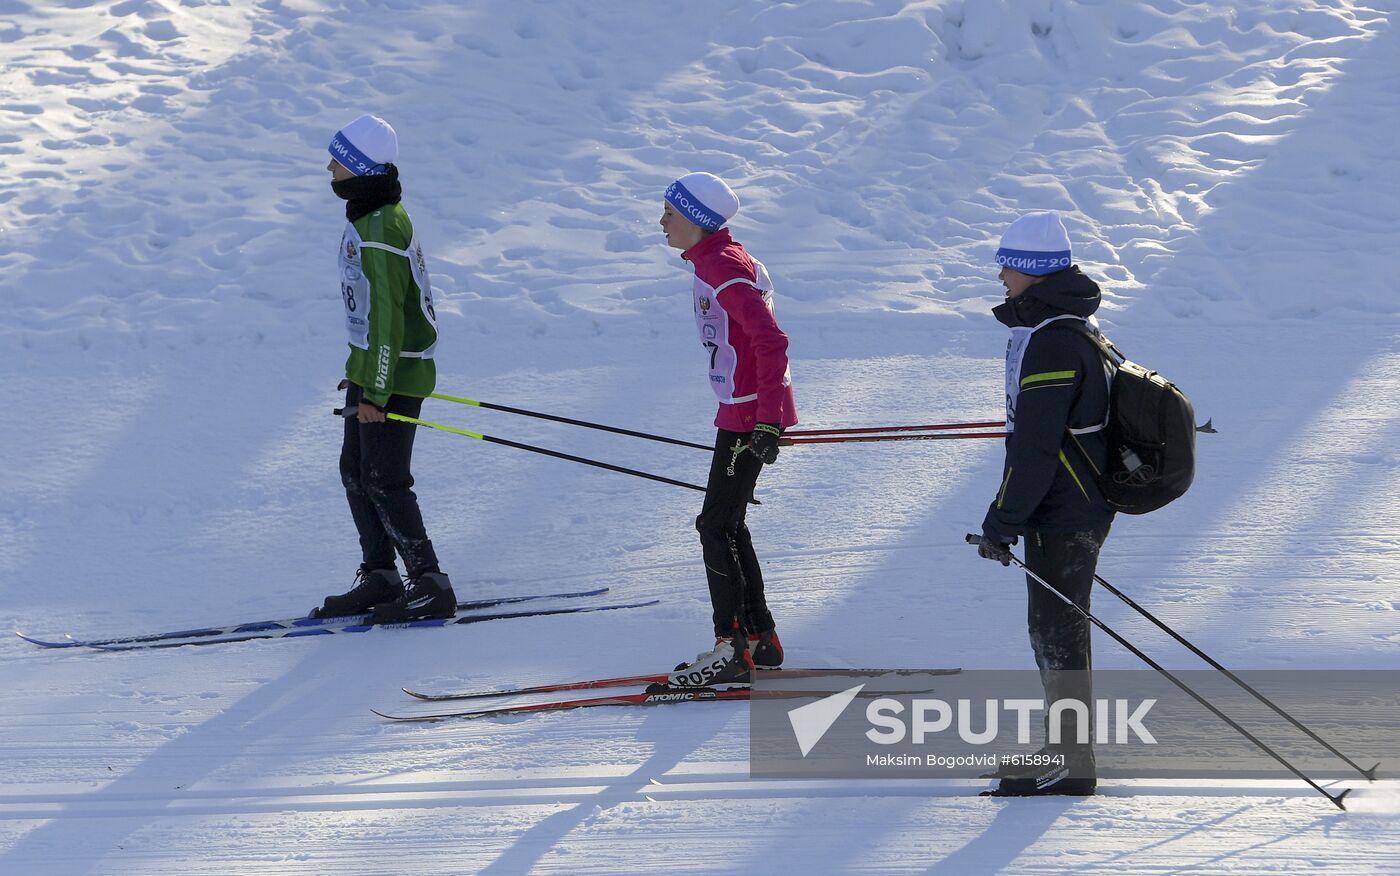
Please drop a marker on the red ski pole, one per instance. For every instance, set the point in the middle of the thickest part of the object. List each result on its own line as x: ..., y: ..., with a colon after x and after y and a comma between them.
x: 935, y: 427
x: 842, y: 439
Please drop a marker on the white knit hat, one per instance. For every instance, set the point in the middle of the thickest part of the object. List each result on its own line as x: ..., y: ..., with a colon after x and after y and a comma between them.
x: 365, y: 145
x: 704, y: 199
x: 1035, y: 244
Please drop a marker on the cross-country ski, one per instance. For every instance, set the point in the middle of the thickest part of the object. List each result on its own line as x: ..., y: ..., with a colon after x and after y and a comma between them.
x: 654, y: 678
x: 662, y: 695
x: 294, y: 626
x: 351, y: 628
x: 657, y: 692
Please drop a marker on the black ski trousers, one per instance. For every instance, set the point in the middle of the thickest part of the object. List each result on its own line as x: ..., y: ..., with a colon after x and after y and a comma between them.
x: 736, y: 582
x: 1060, y: 636
x: 374, y: 467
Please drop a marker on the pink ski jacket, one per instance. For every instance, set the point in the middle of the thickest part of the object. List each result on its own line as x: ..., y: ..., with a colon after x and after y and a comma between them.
x: 747, y: 351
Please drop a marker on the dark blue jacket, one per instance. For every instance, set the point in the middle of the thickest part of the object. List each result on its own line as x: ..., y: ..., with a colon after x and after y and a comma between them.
x: 1047, y: 482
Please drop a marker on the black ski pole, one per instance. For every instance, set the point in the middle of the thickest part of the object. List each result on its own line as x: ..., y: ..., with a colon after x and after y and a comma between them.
x: 1369, y: 774
x: 741, y: 583
x: 557, y: 419
x: 471, y: 402
x: 1185, y: 688
x: 353, y: 411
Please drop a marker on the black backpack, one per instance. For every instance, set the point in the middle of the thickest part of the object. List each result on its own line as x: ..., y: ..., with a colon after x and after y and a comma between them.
x: 1151, y: 433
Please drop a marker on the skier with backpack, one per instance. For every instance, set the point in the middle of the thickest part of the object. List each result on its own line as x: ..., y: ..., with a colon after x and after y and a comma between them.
x: 1057, y: 401
x: 748, y: 371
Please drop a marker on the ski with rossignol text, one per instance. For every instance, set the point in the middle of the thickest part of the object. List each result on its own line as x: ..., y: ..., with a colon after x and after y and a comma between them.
x: 645, y: 698
x: 629, y: 680
x: 657, y: 692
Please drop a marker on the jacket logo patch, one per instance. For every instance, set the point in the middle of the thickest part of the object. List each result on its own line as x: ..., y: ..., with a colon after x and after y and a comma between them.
x: 381, y: 376
x: 704, y: 305
x: 350, y: 251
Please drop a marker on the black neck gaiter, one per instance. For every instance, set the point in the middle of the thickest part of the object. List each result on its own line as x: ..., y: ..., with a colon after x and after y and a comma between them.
x: 365, y: 194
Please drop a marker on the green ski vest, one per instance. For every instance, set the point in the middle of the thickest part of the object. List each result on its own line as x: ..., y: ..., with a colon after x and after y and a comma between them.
x: 388, y: 307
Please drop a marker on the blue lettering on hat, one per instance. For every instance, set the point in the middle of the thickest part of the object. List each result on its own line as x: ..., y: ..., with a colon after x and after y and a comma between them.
x: 679, y: 196
x: 351, y: 158
x: 1033, y: 263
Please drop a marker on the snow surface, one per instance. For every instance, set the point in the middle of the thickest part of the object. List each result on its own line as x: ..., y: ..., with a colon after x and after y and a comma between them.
x: 173, y: 341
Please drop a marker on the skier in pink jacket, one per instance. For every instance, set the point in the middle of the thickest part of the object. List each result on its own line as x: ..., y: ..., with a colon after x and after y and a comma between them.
x: 748, y: 371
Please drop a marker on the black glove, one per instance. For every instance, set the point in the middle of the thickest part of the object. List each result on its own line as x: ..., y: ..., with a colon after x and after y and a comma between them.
x: 990, y: 548
x: 763, y: 442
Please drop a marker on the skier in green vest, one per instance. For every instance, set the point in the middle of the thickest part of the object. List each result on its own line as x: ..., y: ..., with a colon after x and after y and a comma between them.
x: 393, y: 333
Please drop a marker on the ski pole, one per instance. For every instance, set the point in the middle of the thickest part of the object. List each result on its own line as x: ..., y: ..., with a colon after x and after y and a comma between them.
x: 584, y: 423
x: 845, y: 439
x: 1185, y: 688
x: 1369, y: 774
x: 935, y: 427
x: 353, y: 411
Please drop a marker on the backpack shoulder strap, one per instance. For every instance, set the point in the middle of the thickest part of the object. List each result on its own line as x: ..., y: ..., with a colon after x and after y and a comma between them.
x: 1111, y: 356
x: 1114, y: 356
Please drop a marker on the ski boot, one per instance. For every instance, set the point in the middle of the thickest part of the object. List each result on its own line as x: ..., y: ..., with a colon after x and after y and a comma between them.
x: 372, y: 587
x: 766, y: 649
x: 1049, y: 780
x: 428, y: 595
x: 1070, y: 771
x: 722, y: 665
